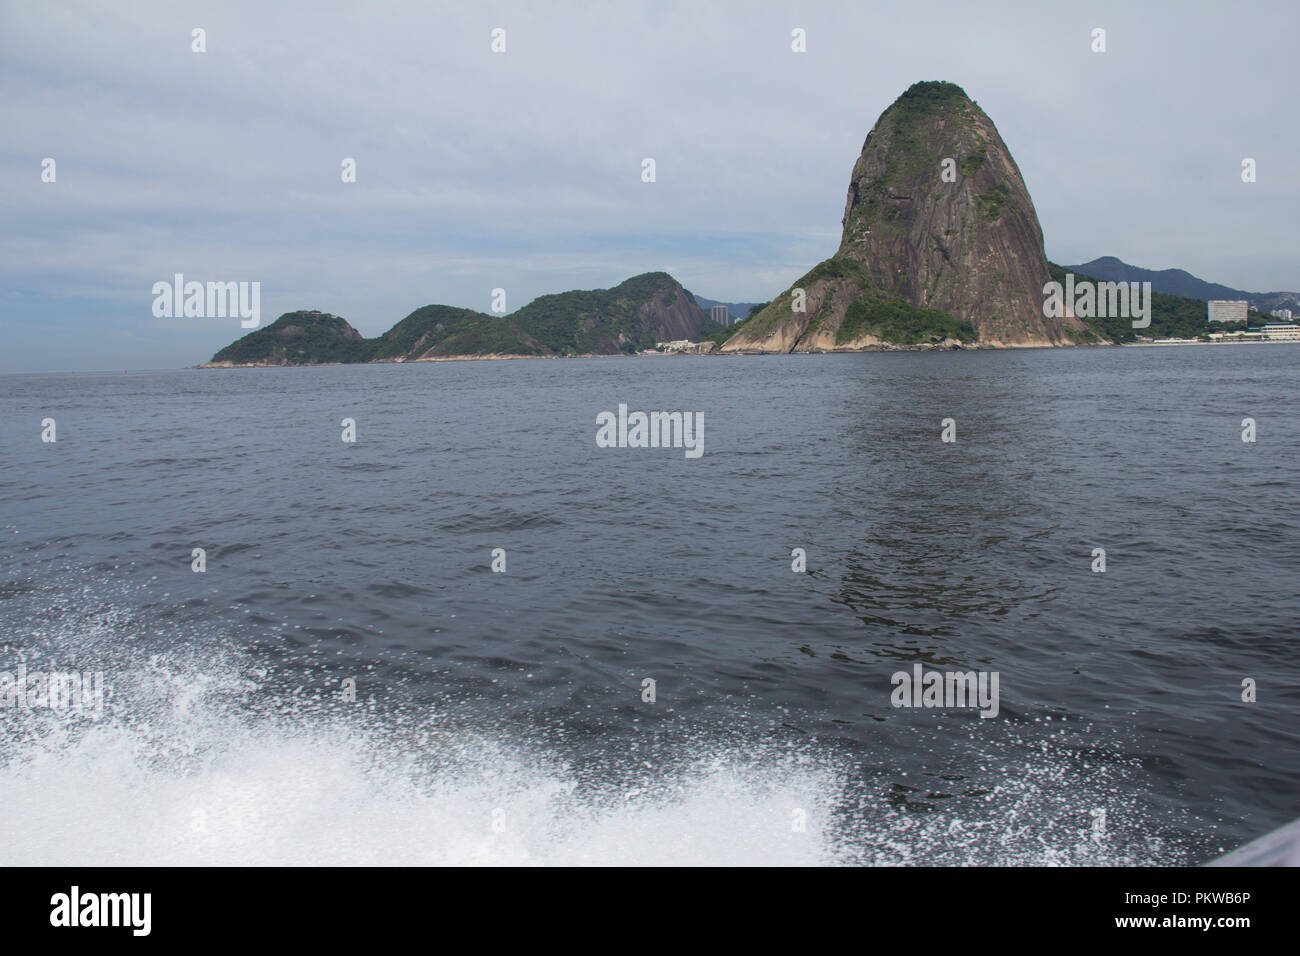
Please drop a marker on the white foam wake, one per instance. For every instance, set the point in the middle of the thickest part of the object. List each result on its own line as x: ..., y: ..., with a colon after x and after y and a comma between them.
x: 188, y: 780
x: 195, y: 762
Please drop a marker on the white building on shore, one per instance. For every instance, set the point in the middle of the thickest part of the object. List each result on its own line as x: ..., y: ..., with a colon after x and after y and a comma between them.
x: 1281, y: 332
x: 1226, y: 310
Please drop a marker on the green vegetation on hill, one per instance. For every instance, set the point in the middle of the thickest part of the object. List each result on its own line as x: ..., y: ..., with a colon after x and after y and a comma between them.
x: 422, y: 324
x: 630, y: 317
x: 299, y: 338
x: 606, y: 320
x: 890, y: 320
x: 1082, y: 336
x: 487, y: 335
x: 928, y: 97
x: 971, y: 164
x: 900, y: 322
x: 992, y: 201
x: 446, y: 330
x: 835, y: 267
x: 556, y: 319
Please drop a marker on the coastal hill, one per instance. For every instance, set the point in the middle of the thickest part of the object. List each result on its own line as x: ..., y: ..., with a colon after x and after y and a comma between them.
x: 634, y: 315
x: 940, y: 241
x: 297, y: 338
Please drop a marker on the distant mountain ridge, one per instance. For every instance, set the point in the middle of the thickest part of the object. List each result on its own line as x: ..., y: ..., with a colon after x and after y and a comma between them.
x: 634, y: 315
x: 1182, y: 283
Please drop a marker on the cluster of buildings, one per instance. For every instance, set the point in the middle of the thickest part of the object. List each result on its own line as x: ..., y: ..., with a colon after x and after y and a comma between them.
x: 1273, y: 332
x: 1221, y: 310
x: 719, y: 313
x: 680, y: 345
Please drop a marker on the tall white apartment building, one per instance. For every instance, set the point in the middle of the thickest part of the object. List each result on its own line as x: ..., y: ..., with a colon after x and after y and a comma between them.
x: 1227, y: 310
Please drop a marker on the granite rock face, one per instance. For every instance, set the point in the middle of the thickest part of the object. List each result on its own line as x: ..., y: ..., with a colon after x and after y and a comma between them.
x: 937, y: 221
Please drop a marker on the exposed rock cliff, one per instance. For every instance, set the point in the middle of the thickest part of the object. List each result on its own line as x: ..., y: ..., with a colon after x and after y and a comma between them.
x: 940, y: 240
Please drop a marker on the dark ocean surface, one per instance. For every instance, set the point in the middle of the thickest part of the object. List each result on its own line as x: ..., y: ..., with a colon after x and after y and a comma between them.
x: 498, y: 717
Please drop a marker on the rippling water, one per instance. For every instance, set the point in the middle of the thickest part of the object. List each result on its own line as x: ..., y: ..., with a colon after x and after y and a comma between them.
x: 499, y: 717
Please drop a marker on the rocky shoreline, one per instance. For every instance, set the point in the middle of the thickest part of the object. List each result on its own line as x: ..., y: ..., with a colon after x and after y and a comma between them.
x: 947, y: 345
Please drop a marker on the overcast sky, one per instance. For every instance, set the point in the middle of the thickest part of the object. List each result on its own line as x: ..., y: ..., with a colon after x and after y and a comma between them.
x: 522, y: 169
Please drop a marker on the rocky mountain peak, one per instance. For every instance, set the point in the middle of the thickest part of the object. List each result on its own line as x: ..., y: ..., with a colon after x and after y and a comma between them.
x: 937, y: 223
